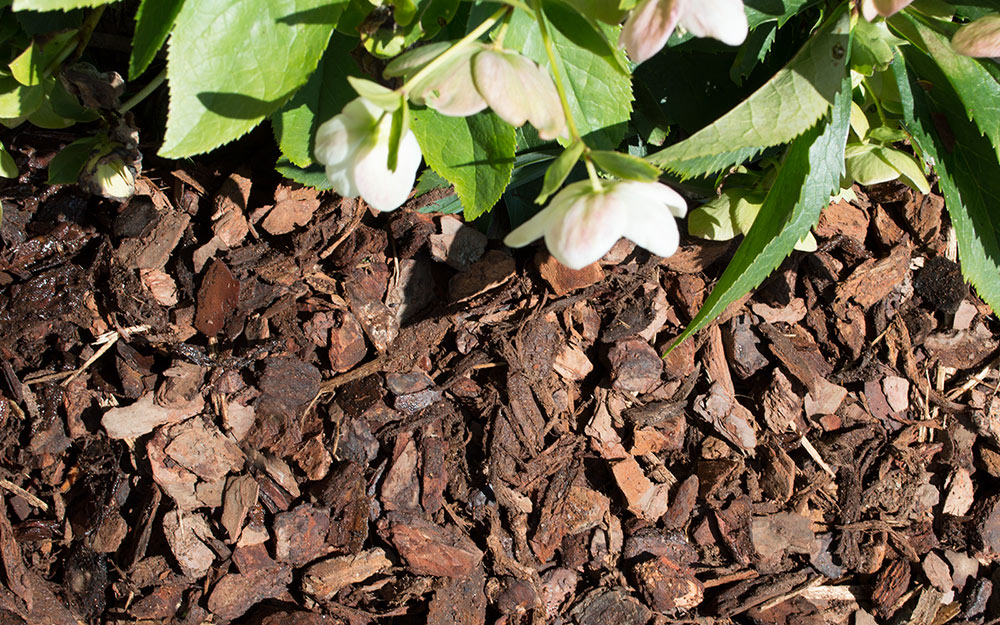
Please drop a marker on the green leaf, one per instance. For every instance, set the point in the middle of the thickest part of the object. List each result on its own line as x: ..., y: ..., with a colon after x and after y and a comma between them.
x: 383, y: 97
x: 16, y: 100
x: 974, y: 85
x: 46, y: 115
x: 448, y: 205
x: 324, y: 95
x: 873, y: 46
x: 582, y: 31
x: 560, y: 168
x: 968, y: 173
x: 475, y: 153
x: 625, y: 166
x: 223, y: 81
x: 153, y: 21
x: 809, y: 175
x: 314, y: 176
x: 8, y: 168
x: 752, y: 52
x: 599, y: 93
x: 65, y: 167
x: 713, y: 220
x: 56, y: 5
x: 782, y: 109
x: 779, y: 11
x: 39, y: 59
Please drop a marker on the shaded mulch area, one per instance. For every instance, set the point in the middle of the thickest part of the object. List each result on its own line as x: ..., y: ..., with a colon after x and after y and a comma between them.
x: 232, y: 400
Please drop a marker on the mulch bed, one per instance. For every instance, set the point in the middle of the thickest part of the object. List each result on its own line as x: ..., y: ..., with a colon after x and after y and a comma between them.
x: 232, y: 400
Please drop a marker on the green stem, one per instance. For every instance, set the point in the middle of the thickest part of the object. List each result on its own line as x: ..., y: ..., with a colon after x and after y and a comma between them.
x: 595, y: 180
x: 457, y: 47
x: 88, y: 26
x: 556, y: 74
x: 143, y: 93
x: 878, y: 105
x: 502, y: 31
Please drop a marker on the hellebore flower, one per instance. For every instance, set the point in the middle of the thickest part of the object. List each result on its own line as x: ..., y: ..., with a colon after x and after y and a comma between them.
x: 514, y: 86
x: 870, y: 9
x: 354, y: 146
x: 108, y: 174
x: 581, y: 224
x: 980, y: 38
x: 650, y: 24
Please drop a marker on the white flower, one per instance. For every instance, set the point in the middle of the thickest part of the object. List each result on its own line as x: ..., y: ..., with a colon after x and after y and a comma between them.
x: 980, y: 38
x: 581, y: 224
x: 514, y: 86
x: 354, y: 146
x: 871, y: 9
x: 109, y: 175
x: 650, y: 24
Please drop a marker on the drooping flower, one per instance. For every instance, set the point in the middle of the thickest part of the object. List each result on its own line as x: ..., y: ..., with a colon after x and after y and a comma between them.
x: 651, y: 23
x: 480, y: 76
x: 870, y: 9
x: 581, y: 223
x: 980, y: 38
x: 354, y: 146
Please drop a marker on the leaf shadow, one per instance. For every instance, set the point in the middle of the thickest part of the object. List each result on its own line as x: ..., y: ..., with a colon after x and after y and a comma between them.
x: 326, y: 14
x: 238, y: 105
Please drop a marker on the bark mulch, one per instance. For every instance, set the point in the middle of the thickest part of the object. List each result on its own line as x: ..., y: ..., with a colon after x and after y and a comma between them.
x: 232, y: 401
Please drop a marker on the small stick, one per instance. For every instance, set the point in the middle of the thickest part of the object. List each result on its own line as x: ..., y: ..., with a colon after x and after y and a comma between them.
x: 815, y: 581
x: 17, y: 490
x: 814, y: 454
x: 100, y: 352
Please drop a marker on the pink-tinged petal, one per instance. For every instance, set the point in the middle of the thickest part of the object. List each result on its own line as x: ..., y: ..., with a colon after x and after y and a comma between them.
x: 518, y: 90
x: 725, y: 20
x: 449, y: 89
x: 587, y: 230
x: 870, y: 9
x: 649, y: 26
x: 981, y: 38
x: 386, y: 190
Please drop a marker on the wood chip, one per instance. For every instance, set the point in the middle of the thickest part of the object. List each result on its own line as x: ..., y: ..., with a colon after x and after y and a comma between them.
x: 325, y: 579
x: 145, y: 415
x: 218, y: 296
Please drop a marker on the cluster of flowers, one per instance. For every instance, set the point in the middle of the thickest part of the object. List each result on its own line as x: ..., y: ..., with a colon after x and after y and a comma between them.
x: 586, y: 218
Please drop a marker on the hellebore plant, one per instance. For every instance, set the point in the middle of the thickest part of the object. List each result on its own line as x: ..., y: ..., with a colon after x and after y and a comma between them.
x: 355, y: 147
x: 583, y: 221
x: 650, y: 24
x: 480, y: 76
x: 773, y: 100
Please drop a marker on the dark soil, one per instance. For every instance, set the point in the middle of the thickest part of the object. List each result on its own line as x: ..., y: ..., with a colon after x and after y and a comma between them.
x: 232, y: 400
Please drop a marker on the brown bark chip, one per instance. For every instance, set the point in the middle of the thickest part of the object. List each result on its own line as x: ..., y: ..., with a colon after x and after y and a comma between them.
x: 462, y: 602
x: 15, y: 572
x: 300, y: 534
x: 325, y: 579
x: 564, y: 280
x: 890, y: 584
x: 428, y: 548
x: 668, y: 586
x: 609, y: 605
x: 218, y: 296
x: 635, y: 366
x: 236, y: 593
